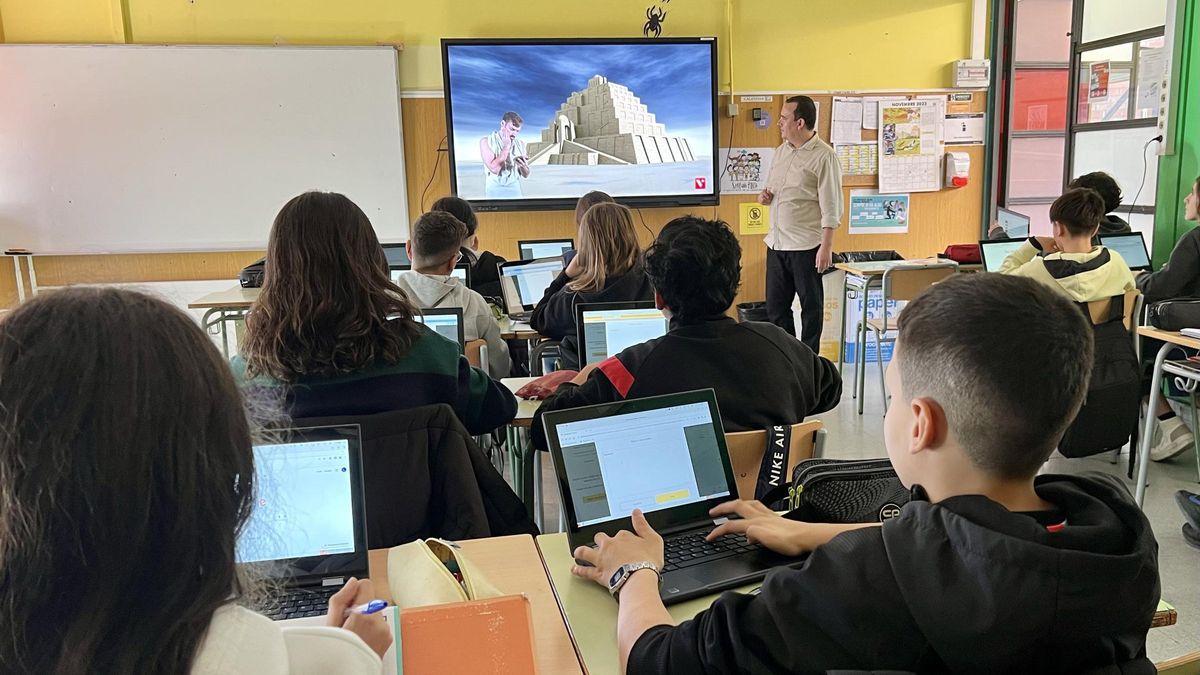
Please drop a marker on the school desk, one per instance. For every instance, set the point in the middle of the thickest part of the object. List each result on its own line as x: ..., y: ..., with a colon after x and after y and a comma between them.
x: 514, y: 565
x: 524, y: 461
x: 1170, y: 340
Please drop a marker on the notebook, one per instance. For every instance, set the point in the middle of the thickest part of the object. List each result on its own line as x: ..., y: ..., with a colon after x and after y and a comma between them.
x: 1131, y: 246
x: 993, y: 252
x: 307, y: 529
x: 532, y: 249
x: 446, y: 321
x: 481, y: 637
x: 667, y: 456
x: 524, y: 282
x: 607, y: 328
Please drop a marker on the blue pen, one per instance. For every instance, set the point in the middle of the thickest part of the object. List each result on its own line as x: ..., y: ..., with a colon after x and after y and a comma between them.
x: 368, y: 607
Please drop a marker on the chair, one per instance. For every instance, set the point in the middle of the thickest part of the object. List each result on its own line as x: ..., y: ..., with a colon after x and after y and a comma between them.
x: 746, y: 450
x: 539, y: 353
x: 476, y: 352
x: 903, y: 283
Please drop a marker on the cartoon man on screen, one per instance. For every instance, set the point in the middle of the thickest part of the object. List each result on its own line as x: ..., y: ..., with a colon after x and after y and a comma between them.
x: 504, y: 160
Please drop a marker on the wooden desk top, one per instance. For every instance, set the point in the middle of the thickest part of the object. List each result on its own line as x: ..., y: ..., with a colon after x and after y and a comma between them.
x: 525, y: 408
x: 516, y: 330
x: 1169, y: 336
x: 878, y: 267
x: 514, y: 565
x: 234, y: 299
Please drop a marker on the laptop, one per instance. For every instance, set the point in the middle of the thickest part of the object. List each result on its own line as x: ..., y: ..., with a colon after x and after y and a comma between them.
x: 524, y: 282
x: 461, y: 271
x: 667, y: 456
x: 607, y: 328
x: 445, y: 321
x: 532, y: 249
x: 396, y: 254
x: 307, y: 530
x: 1131, y: 246
x: 1016, y: 225
x: 994, y: 251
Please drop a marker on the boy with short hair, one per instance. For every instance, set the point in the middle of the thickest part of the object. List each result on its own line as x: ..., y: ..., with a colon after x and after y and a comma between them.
x: 434, y: 251
x: 1105, y: 186
x: 991, y: 568
x: 485, y: 265
x: 1068, y: 260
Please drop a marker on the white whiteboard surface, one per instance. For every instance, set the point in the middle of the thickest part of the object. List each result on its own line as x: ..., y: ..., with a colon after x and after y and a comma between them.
x: 111, y: 148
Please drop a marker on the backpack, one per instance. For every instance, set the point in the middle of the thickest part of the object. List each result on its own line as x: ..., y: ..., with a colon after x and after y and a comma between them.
x: 1109, y: 416
x: 840, y: 491
x: 1175, y: 314
x: 966, y: 254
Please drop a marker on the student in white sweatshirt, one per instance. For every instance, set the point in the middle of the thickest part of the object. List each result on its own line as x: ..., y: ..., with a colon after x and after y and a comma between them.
x: 434, y: 249
x: 127, y: 471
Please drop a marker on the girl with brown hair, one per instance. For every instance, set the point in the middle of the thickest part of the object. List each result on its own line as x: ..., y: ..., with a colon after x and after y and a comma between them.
x: 336, y: 335
x: 607, y: 268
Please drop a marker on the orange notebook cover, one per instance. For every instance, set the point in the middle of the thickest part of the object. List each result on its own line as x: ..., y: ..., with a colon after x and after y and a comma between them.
x: 481, y: 637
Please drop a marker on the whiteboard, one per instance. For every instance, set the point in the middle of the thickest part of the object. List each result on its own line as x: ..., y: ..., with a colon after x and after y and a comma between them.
x: 143, y: 148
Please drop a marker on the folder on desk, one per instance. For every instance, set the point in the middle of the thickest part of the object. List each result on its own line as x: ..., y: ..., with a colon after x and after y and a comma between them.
x: 481, y: 637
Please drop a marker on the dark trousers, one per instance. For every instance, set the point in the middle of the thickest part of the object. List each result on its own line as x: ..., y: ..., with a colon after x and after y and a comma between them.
x: 790, y: 273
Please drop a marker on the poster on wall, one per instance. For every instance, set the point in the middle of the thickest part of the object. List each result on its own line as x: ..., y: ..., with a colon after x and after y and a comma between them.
x: 875, y: 213
x: 745, y: 170
x: 911, y: 145
x: 1098, y: 82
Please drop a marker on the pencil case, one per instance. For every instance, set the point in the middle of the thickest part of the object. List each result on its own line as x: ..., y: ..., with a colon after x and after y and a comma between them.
x: 434, y: 572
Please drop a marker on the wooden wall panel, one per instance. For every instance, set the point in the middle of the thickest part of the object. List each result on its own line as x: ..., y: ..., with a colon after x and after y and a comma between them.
x: 937, y: 219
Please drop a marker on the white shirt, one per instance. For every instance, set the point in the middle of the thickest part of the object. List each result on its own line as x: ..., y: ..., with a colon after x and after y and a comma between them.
x: 807, y: 184
x: 241, y: 642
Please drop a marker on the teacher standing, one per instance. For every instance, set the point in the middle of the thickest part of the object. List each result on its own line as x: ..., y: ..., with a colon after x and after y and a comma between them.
x: 804, y: 191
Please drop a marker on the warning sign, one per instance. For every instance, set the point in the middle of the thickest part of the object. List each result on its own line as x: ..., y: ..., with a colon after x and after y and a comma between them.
x: 754, y: 218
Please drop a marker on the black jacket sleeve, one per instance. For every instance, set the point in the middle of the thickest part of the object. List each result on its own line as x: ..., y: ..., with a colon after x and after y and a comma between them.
x: 827, y: 383
x: 597, y: 389
x: 489, y: 404
x: 1182, y: 271
x: 554, y: 314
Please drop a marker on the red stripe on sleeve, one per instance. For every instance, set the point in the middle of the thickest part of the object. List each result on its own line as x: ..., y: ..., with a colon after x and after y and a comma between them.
x: 618, y: 374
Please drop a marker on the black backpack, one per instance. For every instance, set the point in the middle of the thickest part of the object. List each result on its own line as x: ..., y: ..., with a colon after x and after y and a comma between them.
x: 1109, y: 416
x: 840, y: 491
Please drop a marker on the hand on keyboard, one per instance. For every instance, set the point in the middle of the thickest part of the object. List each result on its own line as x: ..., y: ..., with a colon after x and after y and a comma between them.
x: 643, y: 544
x: 763, y: 526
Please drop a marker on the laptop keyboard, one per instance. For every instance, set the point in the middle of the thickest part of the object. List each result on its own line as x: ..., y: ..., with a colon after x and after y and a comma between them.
x: 301, y: 602
x: 690, y: 548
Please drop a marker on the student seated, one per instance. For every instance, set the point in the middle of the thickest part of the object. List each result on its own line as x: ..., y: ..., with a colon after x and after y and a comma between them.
x: 704, y: 347
x: 434, y: 251
x: 589, y: 200
x: 127, y: 470
x: 991, y: 568
x: 607, y: 268
x: 334, y: 335
x: 1069, y: 261
x: 485, y: 265
x: 1110, y: 192
x: 1180, y: 277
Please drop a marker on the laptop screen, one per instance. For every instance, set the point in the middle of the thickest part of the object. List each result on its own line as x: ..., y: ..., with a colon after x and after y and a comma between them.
x: 396, y: 254
x: 604, y: 332
x: 527, y: 283
x: 304, y: 504
x: 1016, y: 225
x: 653, y: 460
x: 1131, y: 246
x: 994, y: 252
x: 532, y: 250
x: 447, y: 323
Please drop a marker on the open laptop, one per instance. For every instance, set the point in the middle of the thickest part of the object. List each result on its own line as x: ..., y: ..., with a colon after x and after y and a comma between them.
x: 446, y: 321
x: 532, y: 249
x: 524, y: 282
x: 993, y: 252
x: 461, y: 271
x: 667, y: 456
x: 396, y: 254
x: 1015, y: 225
x: 1131, y: 246
x: 307, y: 530
x: 607, y: 328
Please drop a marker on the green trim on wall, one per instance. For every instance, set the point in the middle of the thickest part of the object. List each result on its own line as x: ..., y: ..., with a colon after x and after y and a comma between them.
x: 1176, y: 172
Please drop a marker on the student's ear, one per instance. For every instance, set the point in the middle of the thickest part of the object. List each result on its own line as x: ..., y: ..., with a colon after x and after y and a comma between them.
x: 408, y: 248
x: 928, y: 425
x: 658, y: 301
x: 472, y: 242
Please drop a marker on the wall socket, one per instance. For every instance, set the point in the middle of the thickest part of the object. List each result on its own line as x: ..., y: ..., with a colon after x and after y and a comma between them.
x: 731, y: 110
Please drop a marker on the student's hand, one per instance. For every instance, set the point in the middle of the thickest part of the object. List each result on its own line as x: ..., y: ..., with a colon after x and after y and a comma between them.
x: 763, y: 526
x: 575, y: 268
x: 585, y: 373
x: 1048, y: 244
x: 370, y: 627
x: 626, y: 547
x: 824, y: 257
x: 765, y: 197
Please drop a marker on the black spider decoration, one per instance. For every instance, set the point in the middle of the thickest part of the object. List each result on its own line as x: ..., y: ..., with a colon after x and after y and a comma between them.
x: 655, y: 17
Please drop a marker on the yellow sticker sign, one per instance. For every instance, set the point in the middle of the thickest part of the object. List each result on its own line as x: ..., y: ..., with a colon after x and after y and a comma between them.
x: 754, y: 218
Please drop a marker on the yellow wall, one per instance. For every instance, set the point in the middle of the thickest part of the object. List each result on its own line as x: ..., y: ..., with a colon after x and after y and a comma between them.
x: 778, y: 44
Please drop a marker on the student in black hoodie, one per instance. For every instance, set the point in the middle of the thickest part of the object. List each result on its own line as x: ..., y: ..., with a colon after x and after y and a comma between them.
x: 990, y: 569
x: 485, y: 265
x: 1110, y: 192
x: 1180, y: 277
x: 607, y: 268
x: 704, y: 347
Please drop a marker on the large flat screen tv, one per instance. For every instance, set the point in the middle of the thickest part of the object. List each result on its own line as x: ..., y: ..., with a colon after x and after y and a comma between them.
x: 536, y: 123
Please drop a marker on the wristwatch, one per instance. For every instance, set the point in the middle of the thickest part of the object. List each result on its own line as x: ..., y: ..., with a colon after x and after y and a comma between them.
x: 625, y: 571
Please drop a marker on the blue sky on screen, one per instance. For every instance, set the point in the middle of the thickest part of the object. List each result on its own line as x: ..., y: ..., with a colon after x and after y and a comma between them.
x: 673, y: 80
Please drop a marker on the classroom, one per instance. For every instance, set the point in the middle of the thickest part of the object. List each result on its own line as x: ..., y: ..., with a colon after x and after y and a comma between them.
x: 403, y: 337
